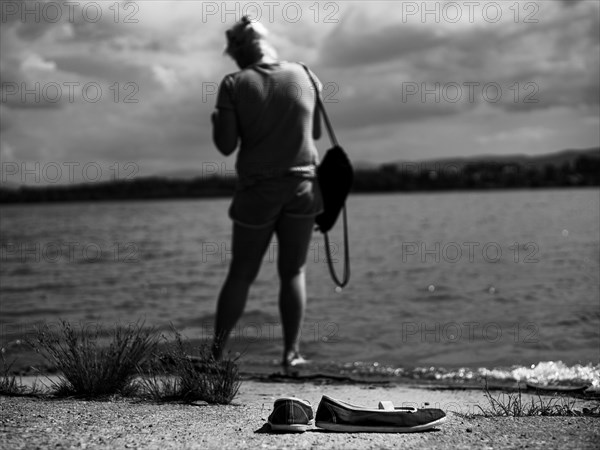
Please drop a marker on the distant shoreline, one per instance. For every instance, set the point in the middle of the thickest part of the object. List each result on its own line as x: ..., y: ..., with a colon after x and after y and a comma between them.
x: 4, y: 202
x: 569, y: 169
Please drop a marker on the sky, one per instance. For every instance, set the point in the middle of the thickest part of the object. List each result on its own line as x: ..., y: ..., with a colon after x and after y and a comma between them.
x: 107, y: 89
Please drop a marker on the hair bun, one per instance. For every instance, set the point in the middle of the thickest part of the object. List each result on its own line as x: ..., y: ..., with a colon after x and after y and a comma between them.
x: 248, y: 38
x: 245, y: 32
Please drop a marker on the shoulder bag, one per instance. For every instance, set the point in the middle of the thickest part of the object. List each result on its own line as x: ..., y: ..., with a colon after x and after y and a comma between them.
x: 334, y: 175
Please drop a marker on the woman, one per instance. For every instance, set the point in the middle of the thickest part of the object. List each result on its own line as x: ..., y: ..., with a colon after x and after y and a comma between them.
x: 269, y: 106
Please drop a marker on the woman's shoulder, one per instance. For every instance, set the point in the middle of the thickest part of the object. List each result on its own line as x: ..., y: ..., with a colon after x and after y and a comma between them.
x: 231, y: 76
x: 260, y: 71
x: 293, y: 65
x: 294, y: 69
x: 276, y: 66
x: 233, y: 79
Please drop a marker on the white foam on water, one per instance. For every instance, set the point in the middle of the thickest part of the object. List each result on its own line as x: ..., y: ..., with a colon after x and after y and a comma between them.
x: 547, y: 372
x: 544, y: 372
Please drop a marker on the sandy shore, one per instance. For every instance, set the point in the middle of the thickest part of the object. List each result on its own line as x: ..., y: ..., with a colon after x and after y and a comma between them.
x: 28, y: 422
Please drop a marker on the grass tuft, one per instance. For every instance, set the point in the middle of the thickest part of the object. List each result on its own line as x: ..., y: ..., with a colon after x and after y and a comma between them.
x: 178, y: 375
x: 88, y: 369
x: 512, y: 405
x: 8, y: 381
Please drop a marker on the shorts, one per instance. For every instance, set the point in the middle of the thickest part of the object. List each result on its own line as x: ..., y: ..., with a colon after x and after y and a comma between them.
x: 260, y: 204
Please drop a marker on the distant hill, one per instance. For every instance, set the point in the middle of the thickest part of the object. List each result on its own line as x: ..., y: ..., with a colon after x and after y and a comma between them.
x: 568, y: 168
x: 555, y: 159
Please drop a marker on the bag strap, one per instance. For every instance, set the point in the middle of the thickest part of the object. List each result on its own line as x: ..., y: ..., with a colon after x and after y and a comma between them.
x: 332, y: 138
x: 346, y: 272
x: 321, y: 106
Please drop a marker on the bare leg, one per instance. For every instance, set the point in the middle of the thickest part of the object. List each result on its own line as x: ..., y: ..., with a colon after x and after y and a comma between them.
x: 248, y: 248
x: 293, y: 235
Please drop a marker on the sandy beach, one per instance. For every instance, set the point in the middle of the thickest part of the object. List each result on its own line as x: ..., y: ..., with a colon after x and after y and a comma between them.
x: 29, y: 422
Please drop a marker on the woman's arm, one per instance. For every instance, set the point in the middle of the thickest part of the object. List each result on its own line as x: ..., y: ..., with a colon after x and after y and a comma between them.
x: 225, y: 130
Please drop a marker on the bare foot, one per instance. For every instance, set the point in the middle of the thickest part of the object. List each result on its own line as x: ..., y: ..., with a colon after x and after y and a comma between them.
x: 294, y: 359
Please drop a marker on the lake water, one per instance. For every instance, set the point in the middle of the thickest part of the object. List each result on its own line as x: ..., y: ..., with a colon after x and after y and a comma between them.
x: 443, y: 284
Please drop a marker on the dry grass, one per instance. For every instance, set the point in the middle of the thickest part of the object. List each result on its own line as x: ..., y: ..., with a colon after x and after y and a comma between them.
x: 177, y: 374
x: 8, y: 381
x: 513, y: 405
x: 9, y: 385
x: 88, y: 369
x: 126, y: 361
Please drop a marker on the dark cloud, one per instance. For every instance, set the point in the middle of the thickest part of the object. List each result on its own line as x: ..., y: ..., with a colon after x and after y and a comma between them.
x: 31, y: 101
x: 347, y: 47
x: 32, y: 31
x: 364, y: 110
x: 111, y: 68
x: 5, y: 118
x: 31, y: 20
x: 369, y: 60
x: 21, y: 92
x: 362, y: 98
x: 170, y: 129
x: 552, y: 63
x: 570, y: 3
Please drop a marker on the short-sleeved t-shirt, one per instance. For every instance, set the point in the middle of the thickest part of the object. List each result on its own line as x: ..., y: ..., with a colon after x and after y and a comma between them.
x: 274, y: 105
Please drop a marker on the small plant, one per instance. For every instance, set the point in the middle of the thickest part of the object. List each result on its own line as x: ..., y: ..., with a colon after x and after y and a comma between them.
x: 177, y: 375
x: 156, y: 383
x: 8, y: 381
x: 512, y: 405
x: 89, y: 369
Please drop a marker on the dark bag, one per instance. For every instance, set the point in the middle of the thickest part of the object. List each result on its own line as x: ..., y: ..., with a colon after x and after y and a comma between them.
x: 334, y: 175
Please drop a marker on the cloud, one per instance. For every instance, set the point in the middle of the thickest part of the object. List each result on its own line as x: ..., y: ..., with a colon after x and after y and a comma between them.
x: 554, y: 62
x: 369, y: 59
x: 111, y: 67
x: 353, y: 45
x: 526, y: 134
x: 6, y: 151
x: 5, y: 118
x: 29, y: 83
x: 167, y: 77
x: 570, y: 3
x: 36, y: 63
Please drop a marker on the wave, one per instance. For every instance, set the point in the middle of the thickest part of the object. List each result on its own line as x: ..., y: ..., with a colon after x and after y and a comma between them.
x: 543, y: 373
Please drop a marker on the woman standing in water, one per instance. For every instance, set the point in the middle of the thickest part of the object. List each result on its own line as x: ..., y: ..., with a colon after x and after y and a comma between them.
x: 269, y: 108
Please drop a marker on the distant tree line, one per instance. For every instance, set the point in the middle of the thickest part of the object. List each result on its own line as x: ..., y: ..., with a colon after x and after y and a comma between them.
x: 582, y: 171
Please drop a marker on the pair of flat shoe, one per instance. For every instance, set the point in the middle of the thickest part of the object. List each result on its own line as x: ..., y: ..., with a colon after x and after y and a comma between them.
x: 291, y: 414
x: 295, y: 415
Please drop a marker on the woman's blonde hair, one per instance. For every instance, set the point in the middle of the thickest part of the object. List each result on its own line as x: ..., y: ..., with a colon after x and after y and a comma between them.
x: 247, y: 42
